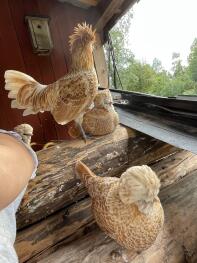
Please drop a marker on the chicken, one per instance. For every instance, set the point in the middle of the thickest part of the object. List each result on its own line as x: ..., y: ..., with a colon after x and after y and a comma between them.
x: 26, y: 132
x: 126, y: 208
x: 68, y: 98
x: 102, y: 119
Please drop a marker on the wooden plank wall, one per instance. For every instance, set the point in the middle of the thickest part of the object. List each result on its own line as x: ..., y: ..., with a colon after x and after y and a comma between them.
x: 16, y: 53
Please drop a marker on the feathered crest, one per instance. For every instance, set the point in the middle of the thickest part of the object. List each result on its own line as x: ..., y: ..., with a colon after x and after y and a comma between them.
x: 83, y: 34
x: 138, y: 183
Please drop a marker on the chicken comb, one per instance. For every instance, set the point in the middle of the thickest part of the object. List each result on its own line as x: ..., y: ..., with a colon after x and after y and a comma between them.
x: 83, y: 34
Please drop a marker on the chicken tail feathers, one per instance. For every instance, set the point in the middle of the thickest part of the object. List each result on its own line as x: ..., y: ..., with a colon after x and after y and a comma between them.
x: 21, y: 88
x: 85, y: 174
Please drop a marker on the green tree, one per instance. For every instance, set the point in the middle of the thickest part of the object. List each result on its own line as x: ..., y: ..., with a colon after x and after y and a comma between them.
x: 193, y: 61
x: 157, y: 65
x: 177, y: 67
x: 142, y: 77
x: 123, y: 55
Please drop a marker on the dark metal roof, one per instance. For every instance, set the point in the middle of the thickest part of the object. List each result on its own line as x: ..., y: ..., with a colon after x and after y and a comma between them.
x: 171, y: 132
x: 169, y: 119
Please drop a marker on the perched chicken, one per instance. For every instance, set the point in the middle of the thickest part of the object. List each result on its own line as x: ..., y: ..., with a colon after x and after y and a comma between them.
x: 102, y: 119
x: 25, y: 131
x: 68, y: 98
x: 127, y: 208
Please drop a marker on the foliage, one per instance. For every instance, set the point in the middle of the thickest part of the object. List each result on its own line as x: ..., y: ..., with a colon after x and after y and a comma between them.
x: 193, y: 61
x: 142, y: 77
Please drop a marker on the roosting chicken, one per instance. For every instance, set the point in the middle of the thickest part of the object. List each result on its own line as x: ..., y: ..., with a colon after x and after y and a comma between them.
x: 68, y: 98
x: 102, y: 119
x: 26, y: 132
x: 126, y: 208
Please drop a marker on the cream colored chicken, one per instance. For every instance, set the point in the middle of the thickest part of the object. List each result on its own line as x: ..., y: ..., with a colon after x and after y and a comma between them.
x: 68, y: 98
x: 25, y: 131
x: 126, y: 208
x: 102, y: 119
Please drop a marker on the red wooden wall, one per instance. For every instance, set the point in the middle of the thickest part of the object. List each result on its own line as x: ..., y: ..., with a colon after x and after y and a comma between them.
x: 16, y: 53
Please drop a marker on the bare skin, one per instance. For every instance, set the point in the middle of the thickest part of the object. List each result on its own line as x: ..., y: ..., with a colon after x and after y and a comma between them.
x: 16, y: 167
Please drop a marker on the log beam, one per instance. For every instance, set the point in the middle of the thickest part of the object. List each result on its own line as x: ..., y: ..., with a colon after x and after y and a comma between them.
x: 176, y: 243
x: 175, y: 167
x: 100, y: 63
x: 43, y: 235
x: 108, y: 13
x: 46, y: 236
x: 89, y: 2
x: 55, y: 185
x: 82, y: 3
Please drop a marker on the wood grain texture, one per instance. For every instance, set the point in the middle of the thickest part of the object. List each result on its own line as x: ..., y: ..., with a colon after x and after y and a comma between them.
x: 174, y: 167
x: 100, y: 63
x: 56, y: 186
x: 127, y: 4
x: 89, y: 2
x: 46, y: 236
x: 108, y: 13
x: 48, y: 233
x: 175, y: 244
x: 82, y: 3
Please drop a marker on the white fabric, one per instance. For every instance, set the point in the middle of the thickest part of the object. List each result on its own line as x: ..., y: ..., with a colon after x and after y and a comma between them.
x: 8, y: 218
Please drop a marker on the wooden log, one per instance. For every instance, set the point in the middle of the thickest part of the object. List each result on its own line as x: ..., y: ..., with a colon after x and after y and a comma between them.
x: 174, y: 167
x: 56, y: 186
x: 108, y: 13
x: 47, y: 234
x: 175, y: 244
x: 64, y: 224
x: 81, y: 3
x: 100, y: 63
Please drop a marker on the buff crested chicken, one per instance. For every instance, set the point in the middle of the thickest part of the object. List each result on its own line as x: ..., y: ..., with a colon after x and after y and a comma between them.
x: 26, y: 132
x: 102, y: 118
x: 126, y: 208
x: 69, y: 97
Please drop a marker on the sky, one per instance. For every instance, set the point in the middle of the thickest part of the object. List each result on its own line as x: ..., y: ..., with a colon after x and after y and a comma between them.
x: 161, y: 27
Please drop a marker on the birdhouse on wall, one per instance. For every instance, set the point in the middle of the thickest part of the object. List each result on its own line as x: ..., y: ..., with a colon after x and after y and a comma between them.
x: 40, y: 34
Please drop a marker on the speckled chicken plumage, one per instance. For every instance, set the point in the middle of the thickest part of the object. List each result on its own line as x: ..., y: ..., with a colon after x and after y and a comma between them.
x: 123, y: 222
x: 102, y: 118
x: 25, y: 131
x: 68, y: 98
